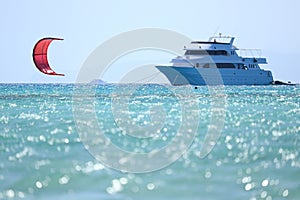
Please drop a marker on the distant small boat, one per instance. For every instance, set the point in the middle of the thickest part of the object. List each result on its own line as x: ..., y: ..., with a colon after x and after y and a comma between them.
x: 282, y: 83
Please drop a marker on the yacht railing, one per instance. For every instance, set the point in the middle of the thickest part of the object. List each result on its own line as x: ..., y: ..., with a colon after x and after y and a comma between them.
x: 255, y: 53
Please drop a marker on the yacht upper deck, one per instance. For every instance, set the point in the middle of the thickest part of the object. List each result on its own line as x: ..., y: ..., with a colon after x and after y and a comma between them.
x: 214, y: 43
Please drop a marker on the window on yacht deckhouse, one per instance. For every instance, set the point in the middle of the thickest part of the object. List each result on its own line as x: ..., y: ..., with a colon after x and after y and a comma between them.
x: 208, y: 52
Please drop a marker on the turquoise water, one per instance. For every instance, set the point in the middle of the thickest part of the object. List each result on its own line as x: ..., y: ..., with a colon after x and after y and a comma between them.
x: 42, y: 155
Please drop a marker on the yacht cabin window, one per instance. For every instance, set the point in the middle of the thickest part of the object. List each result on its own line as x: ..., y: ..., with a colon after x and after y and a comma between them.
x: 208, y: 52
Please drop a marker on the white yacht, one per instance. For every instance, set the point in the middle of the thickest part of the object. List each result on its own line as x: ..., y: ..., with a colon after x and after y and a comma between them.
x: 216, y: 62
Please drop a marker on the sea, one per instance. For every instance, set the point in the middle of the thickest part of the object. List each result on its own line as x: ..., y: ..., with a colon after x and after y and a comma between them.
x: 150, y: 141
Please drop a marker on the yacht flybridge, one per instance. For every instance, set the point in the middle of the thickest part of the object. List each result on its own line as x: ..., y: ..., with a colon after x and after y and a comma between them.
x: 216, y: 62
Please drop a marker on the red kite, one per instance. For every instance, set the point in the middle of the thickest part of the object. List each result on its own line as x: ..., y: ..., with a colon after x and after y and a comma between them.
x: 40, y: 56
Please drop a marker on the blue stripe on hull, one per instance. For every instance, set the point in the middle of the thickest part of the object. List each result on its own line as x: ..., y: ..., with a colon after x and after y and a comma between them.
x: 214, y: 76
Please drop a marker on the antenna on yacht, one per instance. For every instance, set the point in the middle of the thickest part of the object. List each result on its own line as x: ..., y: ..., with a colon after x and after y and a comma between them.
x: 216, y: 31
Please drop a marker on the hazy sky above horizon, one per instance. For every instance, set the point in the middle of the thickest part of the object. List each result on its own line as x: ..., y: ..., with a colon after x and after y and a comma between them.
x: 271, y: 26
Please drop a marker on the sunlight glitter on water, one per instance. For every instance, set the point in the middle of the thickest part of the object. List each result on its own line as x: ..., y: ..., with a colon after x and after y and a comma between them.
x: 256, y: 157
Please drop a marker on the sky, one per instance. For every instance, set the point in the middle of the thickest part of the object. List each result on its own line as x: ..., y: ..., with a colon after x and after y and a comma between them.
x: 271, y: 26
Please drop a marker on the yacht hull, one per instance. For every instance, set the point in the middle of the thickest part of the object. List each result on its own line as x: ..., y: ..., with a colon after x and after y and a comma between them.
x: 215, y: 76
